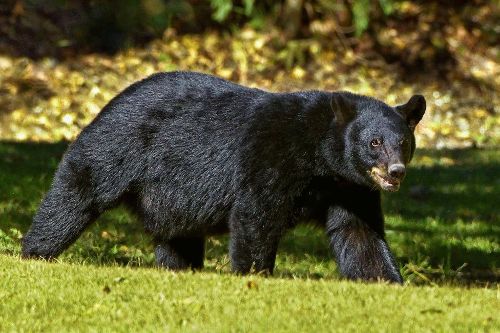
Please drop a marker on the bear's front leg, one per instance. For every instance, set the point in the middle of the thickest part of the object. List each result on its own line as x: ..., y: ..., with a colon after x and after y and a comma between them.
x: 254, y: 241
x: 356, y: 234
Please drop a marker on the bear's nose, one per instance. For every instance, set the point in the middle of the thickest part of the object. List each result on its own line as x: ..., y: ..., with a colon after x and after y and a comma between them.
x: 397, y: 171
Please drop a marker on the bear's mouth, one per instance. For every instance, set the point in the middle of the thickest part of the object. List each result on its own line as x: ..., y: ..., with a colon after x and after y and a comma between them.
x: 384, y: 181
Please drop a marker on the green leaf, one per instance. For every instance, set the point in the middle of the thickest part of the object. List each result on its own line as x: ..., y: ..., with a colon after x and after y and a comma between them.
x: 387, y: 6
x: 221, y: 8
x: 361, y: 11
x: 248, y: 5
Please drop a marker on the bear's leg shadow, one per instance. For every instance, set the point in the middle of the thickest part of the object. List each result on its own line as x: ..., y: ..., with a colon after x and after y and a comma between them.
x: 67, y: 209
x: 253, y: 242
x: 359, y: 245
x: 180, y: 253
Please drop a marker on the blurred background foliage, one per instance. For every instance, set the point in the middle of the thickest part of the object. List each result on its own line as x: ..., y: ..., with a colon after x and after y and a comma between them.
x: 62, y: 60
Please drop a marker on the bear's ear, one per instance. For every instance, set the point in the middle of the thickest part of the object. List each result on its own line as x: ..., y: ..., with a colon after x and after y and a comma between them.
x: 343, y: 107
x: 413, y: 111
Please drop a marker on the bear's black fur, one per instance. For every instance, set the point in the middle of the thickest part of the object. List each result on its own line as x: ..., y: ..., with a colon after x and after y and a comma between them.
x: 196, y: 155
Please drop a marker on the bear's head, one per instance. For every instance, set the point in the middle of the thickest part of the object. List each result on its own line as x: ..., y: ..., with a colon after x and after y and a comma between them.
x: 374, y: 141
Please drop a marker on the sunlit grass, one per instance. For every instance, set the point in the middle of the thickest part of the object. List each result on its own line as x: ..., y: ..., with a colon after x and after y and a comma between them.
x: 39, y: 296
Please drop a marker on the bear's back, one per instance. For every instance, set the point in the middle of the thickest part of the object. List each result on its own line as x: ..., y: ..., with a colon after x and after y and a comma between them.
x: 174, y: 140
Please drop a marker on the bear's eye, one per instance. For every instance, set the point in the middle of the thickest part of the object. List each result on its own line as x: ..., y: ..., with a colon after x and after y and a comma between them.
x: 376, y: 142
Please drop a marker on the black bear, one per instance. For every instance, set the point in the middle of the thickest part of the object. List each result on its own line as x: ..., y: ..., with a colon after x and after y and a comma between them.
x: 195, y: 155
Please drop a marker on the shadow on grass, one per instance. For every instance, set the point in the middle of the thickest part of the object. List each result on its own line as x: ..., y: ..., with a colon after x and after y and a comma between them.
x: 446, y: 215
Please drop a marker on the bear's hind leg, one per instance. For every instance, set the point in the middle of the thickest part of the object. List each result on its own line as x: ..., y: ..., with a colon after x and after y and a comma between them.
x: 75, y: 199
x: 180, y: 253
x: 63, y: 215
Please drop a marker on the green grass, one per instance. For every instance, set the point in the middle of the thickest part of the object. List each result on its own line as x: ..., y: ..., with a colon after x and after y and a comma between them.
x: 37, y: 296
x: 443, y: 226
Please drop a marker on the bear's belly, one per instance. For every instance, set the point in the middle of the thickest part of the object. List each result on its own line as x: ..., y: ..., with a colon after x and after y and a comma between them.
x: 170, y: 214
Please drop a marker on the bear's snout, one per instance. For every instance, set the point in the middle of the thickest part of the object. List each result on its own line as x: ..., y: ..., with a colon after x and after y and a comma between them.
x: 397, y: 171
x: 387, y: 181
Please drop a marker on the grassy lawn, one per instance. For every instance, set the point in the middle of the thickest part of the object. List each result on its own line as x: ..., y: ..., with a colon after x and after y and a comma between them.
x: 443, y: 226
x: 37, y: 296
